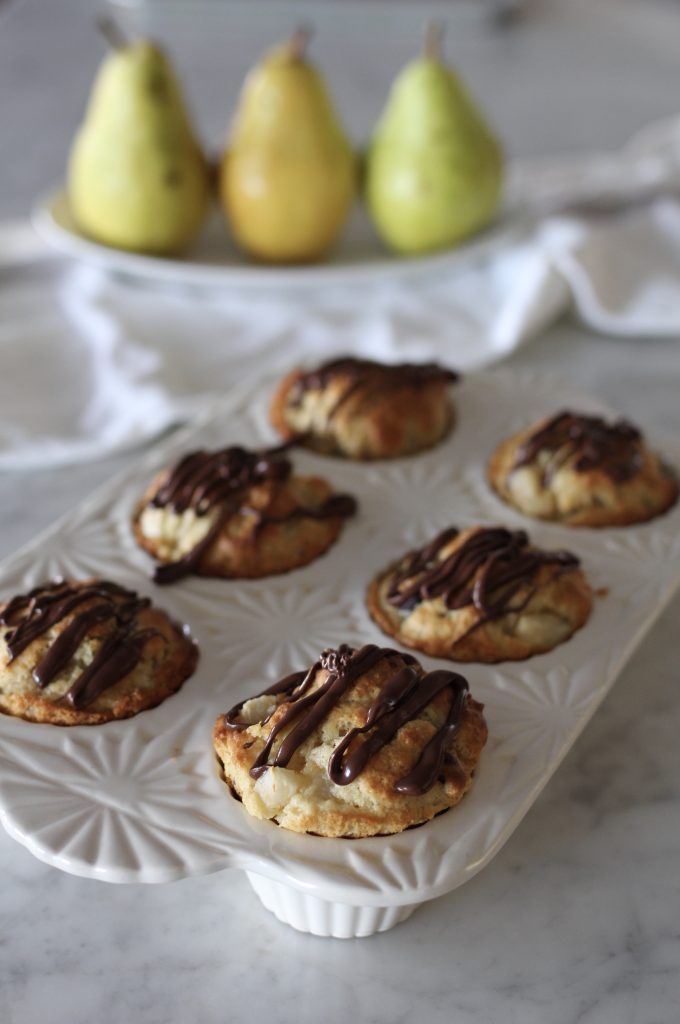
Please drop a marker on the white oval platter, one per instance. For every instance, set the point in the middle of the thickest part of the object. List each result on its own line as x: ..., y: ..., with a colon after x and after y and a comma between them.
x: 214, y: 260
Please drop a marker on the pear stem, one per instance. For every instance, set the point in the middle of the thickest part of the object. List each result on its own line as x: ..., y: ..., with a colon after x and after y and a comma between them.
x: 112, y: 32
x: 300, y: 40
x: 433, y: 42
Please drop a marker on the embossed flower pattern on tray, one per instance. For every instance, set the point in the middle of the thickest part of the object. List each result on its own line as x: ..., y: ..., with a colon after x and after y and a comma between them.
x: 282, y: 628
x: 130, y: 796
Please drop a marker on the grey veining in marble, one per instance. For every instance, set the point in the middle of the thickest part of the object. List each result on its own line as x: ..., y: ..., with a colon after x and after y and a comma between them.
x: 577, y: 919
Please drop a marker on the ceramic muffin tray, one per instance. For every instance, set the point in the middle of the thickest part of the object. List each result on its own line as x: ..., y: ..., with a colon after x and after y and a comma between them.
x: 141, y: 800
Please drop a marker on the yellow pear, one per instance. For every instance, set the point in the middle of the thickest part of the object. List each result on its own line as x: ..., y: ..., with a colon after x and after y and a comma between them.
x: 288, y: 179
x: 137, y: 178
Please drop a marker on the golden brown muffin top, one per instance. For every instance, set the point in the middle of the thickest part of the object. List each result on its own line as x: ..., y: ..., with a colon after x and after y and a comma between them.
x: 361, y: 409
x: 223, y: 481
x: 87, y: 651
x: 582, y: 471
x: 482, y: 594
x: 364, y: 742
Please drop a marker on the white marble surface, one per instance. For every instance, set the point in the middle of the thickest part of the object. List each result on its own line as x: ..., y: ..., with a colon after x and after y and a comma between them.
x: 577, y: 917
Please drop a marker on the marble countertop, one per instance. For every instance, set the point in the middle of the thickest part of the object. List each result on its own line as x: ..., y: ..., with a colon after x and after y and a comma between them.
x: 576, y: 918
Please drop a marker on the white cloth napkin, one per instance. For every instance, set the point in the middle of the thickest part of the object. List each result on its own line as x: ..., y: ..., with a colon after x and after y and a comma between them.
x: 91, y: 364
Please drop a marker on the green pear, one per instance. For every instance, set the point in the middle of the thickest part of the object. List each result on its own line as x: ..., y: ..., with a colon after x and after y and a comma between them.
x: 434, y: 168
x: 137, y: 178
x: 288, y: 179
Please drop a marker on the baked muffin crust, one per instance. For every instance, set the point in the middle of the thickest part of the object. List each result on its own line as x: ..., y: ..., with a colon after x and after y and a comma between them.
x: 363, y: 743
x: 482, y: 594
x: 237, y: 513
x: 85, y: 652
x: 362, y: 409
x: 581, y: 471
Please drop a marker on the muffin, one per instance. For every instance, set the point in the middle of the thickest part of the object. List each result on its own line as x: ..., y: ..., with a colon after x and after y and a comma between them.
x: 363, y: 743
x: 83, y: 652
x: 481, y: 594
x: 361, y: 409
x: 582, y: 471
x: 237, y: 513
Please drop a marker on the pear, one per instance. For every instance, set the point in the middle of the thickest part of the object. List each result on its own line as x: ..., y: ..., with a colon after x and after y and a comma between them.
x: 434, y: 168
x: 137, y: 178
x: 288, y: 179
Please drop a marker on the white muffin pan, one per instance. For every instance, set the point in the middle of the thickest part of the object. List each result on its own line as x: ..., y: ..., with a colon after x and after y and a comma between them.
x: 141, y: 800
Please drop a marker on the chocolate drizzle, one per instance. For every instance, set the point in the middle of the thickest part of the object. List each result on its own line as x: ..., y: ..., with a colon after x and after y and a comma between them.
x: 486, y: 571
x: 32, y: 615
x: 402, y: 696
x: 203, y: 481
x: 369, y: 378
x: 586, y: 442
